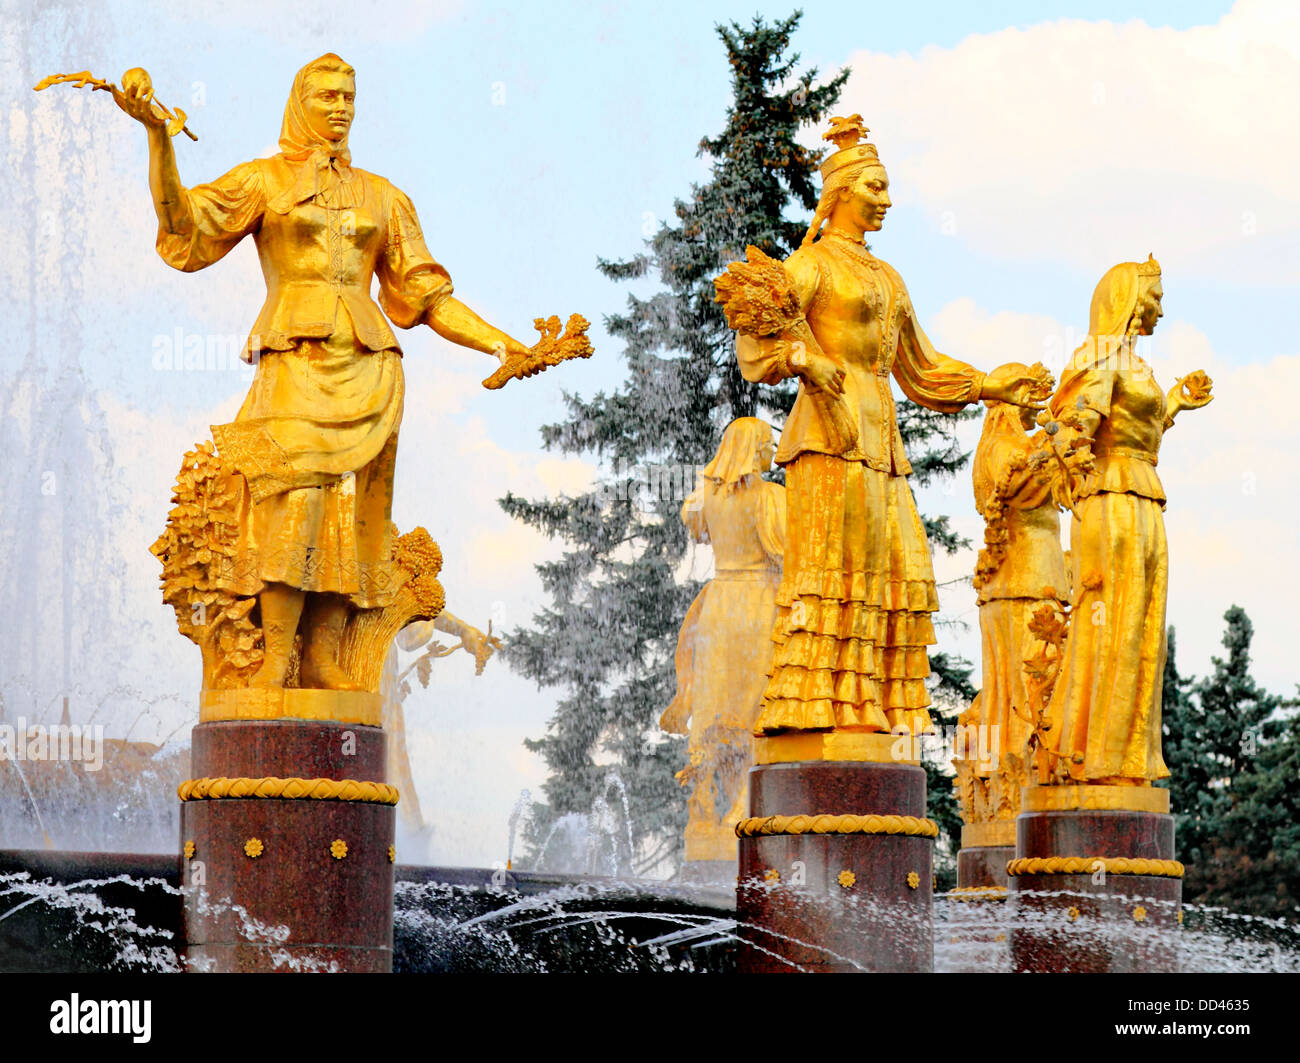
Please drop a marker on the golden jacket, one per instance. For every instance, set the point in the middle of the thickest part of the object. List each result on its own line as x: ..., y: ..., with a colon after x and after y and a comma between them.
x: 317, y: 261
x: 859, y: 311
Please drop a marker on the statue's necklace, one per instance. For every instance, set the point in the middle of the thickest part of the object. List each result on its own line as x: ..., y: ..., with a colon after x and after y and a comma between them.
x: 853, y: 247
x: 871, y: 288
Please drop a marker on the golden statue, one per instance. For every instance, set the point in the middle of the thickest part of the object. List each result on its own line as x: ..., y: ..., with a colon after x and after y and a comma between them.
x: 725, y: 645
x: 1020, y: 573
x: 1104, y: 712
x: 858, y: 587
x: 301, y: 483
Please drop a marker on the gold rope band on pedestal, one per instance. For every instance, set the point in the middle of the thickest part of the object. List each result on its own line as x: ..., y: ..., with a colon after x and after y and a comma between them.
x: 293, y: 789
x: 870, y: 824
x: 1088, y: 865
x: 977, y: 893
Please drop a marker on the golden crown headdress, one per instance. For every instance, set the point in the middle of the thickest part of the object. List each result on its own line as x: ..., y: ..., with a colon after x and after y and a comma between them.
x: 1149, y: 268
x: 845, y: 133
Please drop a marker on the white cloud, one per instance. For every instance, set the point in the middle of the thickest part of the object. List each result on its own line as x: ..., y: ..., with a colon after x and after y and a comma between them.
x: 1073, y: 140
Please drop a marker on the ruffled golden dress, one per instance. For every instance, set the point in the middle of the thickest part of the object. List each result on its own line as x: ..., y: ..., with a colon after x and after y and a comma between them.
x: 316, y: 439
x: 1106, y: 702
x: 858, y: 591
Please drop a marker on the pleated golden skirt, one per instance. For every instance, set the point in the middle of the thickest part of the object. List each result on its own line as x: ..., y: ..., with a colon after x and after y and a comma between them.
x: 853, y: 609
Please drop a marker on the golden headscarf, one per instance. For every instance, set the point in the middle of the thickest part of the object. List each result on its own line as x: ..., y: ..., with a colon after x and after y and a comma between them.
x: 737, y: 455
x: 1114, y: 302
x: 736, y: 460
x: 322, y: 167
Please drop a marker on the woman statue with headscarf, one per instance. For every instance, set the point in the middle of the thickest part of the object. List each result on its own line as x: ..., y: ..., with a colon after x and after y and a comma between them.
x: 858, y: 589
x: 1019, y: 572
x: 724, y: 647
x: 1105, y: 706
x: 316, y: 438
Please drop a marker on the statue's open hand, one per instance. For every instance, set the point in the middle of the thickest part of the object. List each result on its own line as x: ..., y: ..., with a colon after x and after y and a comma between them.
x: 1190, y: 392
x: 136, y: 99
x: 1013, y: 384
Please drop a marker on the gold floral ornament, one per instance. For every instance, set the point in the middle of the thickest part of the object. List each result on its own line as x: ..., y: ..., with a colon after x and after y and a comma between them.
x: 551, y: 349
x: 1048, y: 626
x: 845, y: 132
x: 392, y: 854
x: 1065, y: 459
x: 339, y: 849
x: 771, y: 875
x: 1072, y: 914
x: 846, y: 878
x: 759, y: 299
x: 1139, y: 914
x: 253, y: 848
x: 84, y: 78
x: 1195, y: 386
x: 198, y: 540
x: 189, y: 850
x: 913, y: 880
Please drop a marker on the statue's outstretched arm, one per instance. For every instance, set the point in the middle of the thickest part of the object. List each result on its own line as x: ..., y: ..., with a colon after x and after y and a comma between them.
x: 454, y: 321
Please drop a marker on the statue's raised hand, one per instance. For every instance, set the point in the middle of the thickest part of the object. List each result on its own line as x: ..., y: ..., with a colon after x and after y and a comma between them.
x: 135, y: 97
x: 1190, y: 392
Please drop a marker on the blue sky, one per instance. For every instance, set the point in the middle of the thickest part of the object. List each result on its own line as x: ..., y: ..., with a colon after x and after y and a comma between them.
x: 1030, y: 147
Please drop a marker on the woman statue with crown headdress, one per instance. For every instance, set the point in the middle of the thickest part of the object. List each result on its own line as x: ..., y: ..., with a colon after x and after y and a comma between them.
x: 725, y: 645
x: 316, y: 439
x: 1105, y: 706
x: 858, y: 589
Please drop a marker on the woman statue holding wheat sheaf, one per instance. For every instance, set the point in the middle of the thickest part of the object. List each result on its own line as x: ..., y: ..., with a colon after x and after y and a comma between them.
x: 855, y: 601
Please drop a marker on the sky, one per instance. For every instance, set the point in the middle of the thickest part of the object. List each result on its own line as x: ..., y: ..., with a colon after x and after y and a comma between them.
x: 1030, y: 147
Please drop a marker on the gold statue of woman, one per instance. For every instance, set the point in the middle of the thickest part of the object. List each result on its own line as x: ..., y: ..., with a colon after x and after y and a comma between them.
x: 725, y: 644
x: 1105, y: 706
x: 316, y: 439
x: 1020, y: 571
x: 858, y: 587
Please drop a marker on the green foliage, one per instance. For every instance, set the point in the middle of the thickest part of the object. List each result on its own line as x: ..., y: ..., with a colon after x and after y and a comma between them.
x: 608, y: 636
x: 1235, y: 761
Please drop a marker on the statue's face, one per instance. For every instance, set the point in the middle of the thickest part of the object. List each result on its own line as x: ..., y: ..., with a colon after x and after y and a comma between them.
x: 330, y: 103
x: 1149, y: 310
x: 766, y: 452
x: 868, y: 198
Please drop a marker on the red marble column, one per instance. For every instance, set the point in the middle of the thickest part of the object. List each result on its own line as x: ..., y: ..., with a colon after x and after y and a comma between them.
x: 1097, y: 919
x: 830, y: 902
x: 984, y: 866
x: 279, y: 883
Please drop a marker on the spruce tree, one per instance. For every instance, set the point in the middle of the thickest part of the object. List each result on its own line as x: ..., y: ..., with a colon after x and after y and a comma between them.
x: 608, y: 637
x: 1190, y: 772
x: 1223, y: 743
x: 1255, y: 868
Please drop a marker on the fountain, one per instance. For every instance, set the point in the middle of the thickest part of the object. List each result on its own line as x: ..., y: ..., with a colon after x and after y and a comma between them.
x: 293, y: 775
